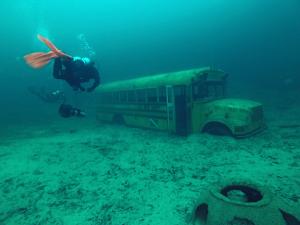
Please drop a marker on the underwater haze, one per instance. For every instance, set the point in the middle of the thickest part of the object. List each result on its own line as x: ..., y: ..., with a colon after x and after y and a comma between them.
x: 256, y: 42
x: 75, y: 171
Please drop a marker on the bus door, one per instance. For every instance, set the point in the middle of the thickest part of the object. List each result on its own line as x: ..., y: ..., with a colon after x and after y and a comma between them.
x: 170, y: 107
x: 181, y: 117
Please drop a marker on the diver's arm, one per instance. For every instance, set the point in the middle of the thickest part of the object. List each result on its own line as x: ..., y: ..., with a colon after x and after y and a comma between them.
x: 96, y: 78
x: 67, y: 62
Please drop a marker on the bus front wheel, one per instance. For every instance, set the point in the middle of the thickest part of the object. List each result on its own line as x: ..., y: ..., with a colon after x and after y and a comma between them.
x: 216, y: 128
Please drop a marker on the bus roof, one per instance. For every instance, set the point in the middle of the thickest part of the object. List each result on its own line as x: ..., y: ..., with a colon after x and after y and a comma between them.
x: 184, y: 77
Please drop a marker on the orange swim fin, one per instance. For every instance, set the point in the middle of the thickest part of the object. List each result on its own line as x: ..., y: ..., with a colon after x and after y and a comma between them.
x: 40, y: 59
x: 48, y: 43
x: 53, y: 47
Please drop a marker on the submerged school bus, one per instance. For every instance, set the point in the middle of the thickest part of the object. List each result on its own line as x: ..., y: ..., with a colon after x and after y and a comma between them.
x: 181, y: 102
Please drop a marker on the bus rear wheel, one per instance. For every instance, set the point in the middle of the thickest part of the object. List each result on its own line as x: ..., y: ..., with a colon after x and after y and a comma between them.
x: 216, y: 128
x: 118, y: 119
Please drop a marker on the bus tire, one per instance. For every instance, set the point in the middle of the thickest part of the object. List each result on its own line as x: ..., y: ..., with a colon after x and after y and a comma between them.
x: 118, y: 119
x: 217, y: 128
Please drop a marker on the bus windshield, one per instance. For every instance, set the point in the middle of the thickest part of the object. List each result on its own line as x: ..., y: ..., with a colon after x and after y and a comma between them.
x: 208, y: 90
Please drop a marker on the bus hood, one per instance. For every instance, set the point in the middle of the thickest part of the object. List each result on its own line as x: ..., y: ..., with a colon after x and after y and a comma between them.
x: 235, y: 103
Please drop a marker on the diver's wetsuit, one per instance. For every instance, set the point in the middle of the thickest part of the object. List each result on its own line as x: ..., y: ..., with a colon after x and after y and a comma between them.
x: 66, y: 111
x: 76, y: 72
x: 47, y: 95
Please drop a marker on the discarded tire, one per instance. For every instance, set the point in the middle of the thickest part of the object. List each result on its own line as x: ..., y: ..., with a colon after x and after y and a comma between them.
x: 241, y: 203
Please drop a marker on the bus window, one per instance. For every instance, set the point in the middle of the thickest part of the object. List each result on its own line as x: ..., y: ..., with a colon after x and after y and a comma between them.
x: 115, y: 97
x: 141, y: 95
x: 220, y: 91
x: 200, y: 91
x: 123, y: 96
x: 152, y: 95
x: 162, y: 94
x: 215, y: 90
x: 170, y: 94
x: 179, y: 90
x: 131, y: 96
x: 208, y: 90
x: 106, y: 97
x: 109, y: 97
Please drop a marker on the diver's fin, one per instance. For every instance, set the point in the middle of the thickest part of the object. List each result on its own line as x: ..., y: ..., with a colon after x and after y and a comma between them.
x: 48, y: 43
x: 52, y: 47
x: 39, y: 59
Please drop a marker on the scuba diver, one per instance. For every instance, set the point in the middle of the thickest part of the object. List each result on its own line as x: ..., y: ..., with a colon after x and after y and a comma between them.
x: 47, y: 95
x: 66, y: 111
x: 74, y: 70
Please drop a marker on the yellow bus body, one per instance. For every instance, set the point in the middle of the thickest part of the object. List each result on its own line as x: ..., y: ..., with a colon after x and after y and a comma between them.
x: 180, y: 102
